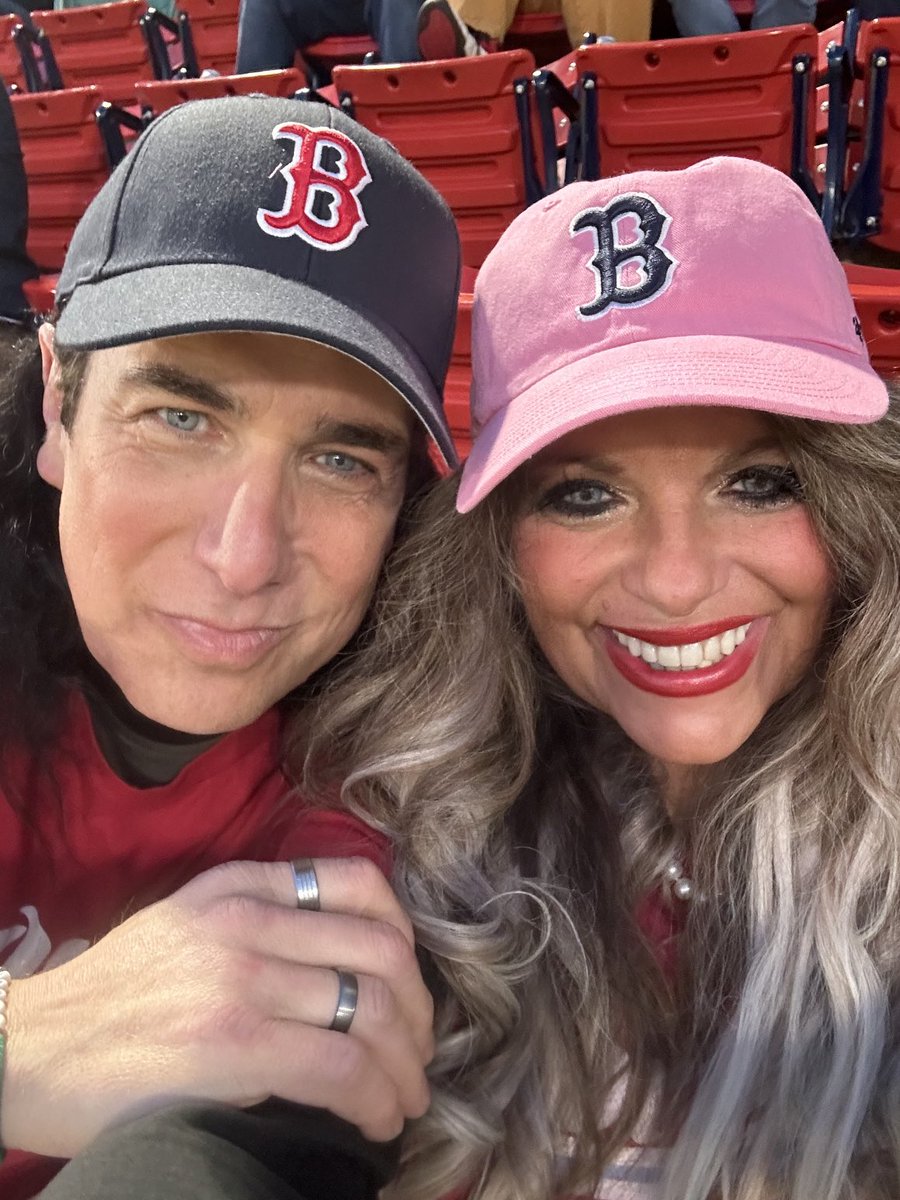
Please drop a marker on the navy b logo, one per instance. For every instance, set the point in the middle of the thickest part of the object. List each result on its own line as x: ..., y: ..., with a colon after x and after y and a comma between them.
x: 631, y: 267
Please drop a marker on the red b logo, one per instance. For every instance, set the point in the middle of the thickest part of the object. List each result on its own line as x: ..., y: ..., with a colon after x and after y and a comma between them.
x: 324, y: 180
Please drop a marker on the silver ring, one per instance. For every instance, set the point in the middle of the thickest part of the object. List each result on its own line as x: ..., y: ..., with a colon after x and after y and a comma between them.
x: 348, y: 994
x: 305, y: 883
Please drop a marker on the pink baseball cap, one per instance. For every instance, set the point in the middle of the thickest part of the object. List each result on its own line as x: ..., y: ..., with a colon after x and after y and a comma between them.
x: 712, y: 285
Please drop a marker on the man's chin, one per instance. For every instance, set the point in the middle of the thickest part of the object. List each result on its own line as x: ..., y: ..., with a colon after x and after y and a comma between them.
x: 195, y: 714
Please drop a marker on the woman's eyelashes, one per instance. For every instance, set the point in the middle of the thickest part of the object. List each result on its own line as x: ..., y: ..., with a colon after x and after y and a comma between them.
x: 578, y: 498
x: 764, y: 486
x: 761, y: 486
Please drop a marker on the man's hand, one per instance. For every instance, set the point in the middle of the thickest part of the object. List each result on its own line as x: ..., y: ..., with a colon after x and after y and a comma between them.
x: 225, y: 991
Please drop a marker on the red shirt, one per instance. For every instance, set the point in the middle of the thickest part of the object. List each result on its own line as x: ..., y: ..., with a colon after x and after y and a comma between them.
x: 91, y: 849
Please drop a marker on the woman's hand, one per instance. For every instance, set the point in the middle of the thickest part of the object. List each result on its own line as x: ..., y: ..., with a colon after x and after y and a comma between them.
x: 225, y: 991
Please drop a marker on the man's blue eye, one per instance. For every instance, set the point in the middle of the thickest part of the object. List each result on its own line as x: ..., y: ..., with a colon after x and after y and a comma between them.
x: 181, y: 419
x: 343, y: 463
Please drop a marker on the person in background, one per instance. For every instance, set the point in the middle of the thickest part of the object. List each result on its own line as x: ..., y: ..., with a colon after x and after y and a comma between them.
x: 16, y: 266
x: 271, y: 32
x: 448, y: 30
x: 696, y: 18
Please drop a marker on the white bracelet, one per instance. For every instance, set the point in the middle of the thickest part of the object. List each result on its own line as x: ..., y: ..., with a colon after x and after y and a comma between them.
x: 5, y: 980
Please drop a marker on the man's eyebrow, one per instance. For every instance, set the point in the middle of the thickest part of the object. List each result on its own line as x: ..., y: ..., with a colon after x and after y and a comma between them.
x: 185, y: 386
x: 363, y: 435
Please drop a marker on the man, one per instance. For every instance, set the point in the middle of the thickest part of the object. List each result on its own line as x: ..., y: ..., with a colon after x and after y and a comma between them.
x: 255, y: 319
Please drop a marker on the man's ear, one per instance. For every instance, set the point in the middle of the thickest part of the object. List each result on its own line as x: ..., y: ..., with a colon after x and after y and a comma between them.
x: 51, y: 459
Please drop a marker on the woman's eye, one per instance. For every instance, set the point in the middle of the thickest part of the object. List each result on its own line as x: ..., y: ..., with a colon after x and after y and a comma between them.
x: 181, y: 419
x: 578, y: 498
x: 763, y: 487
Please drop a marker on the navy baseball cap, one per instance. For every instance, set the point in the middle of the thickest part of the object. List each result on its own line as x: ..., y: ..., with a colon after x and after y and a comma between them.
x: 278, y: 215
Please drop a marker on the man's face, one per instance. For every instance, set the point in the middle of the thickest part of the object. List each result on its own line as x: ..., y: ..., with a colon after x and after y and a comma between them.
x: 227, y: 501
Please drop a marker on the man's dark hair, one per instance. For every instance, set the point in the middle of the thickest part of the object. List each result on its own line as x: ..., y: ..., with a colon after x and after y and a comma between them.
x: 40, y: 643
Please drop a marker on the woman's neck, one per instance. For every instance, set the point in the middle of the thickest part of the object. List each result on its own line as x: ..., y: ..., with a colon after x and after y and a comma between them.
x: 678, y: 784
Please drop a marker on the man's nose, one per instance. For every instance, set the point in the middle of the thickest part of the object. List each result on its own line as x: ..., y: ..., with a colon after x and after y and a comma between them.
x: 245, y: 537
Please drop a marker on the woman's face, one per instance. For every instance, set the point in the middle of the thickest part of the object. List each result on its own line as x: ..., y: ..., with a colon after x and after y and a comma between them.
x: 672, y: 576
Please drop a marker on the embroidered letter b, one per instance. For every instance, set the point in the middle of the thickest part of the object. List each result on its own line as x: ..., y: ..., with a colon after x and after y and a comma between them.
x: 324, y: 179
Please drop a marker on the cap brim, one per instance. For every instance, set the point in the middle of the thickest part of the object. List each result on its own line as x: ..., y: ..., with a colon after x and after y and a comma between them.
x: 817, y: 382
x: 173, y: 299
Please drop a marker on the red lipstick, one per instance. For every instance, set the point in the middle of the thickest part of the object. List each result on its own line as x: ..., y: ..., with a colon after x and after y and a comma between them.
x: 685, y: 684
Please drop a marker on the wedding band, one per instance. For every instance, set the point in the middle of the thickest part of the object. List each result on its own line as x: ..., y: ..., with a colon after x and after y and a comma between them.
x: 305, y: 883
x: 348, y: 994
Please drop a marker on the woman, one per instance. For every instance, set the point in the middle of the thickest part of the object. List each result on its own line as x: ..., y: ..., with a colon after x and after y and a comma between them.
x: 631, y: 721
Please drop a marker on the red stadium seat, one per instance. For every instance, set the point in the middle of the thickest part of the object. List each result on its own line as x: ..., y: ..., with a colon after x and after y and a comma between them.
x: 465, y: 124
x: 544, y: 34
x: 209, y: 30
x: 667, y: 104
x: 876, y: 294
x: 10, y: 62
x: 101, y: 45
x: 158, y: 95
x: 65, y: 164
x: 872, y: 205
x: 459, y: 378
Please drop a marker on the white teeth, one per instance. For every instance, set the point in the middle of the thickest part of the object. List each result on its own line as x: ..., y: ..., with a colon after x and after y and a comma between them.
x: 669, y: 656
x: 690, y: 657
x: 712, y: 650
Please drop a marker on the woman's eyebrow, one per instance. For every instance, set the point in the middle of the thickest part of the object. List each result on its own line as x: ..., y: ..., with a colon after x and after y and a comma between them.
x: 185, y: 386
x: 766, y: 443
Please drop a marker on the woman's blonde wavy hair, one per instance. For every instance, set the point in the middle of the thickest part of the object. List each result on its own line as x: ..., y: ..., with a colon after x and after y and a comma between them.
x: 526, y: 827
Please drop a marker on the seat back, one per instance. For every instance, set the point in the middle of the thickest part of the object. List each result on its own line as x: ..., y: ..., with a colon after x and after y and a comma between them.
x: 65, y: 164
x: 459, y: 377
x: 543, y: 33
x: 668, y: 104
x: 320, y: 58
x: 10, y: 63
x: 157, y: 96
x: 209, y: 28
x: 872, y: 207
x: 876, y: 295
x: 100, y: 45
x: 465, y: 124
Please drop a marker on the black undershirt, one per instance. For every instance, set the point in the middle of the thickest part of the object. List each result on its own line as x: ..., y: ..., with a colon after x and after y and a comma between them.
x: 141, y: 752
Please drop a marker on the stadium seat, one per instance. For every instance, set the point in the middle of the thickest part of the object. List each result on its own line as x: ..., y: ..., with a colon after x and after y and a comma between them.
x: 459, y: 377
x: 667, y: 104
x: 65, y: 163
x: 11, y: 67
x: 157, y: 96
x: 208, y: 31
x: 466, y: 124
x: 543, y: 33
x: 872, y: 205
x: 320, y: 58
x: 876, y: 294
x: 100, y: 45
